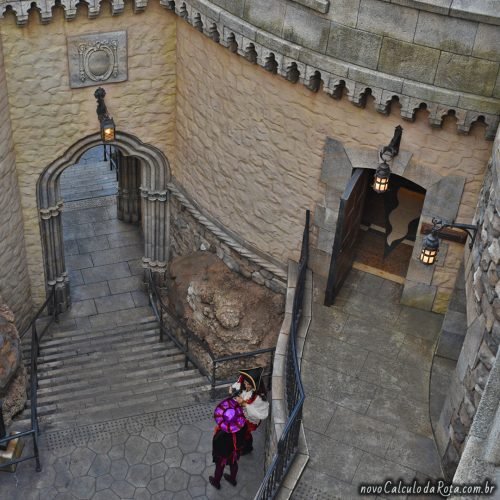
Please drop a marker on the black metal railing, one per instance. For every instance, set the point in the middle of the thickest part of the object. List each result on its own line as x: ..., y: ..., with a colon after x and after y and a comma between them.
x: 34, y: 431
x: 185, y: 339
x: 287, y: 447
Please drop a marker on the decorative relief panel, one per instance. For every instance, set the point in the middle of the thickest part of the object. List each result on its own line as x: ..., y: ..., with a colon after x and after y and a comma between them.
x: 97, y: 58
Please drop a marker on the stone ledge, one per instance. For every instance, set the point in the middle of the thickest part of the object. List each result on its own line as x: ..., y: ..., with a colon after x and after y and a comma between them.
x: 278, y: 413
x: 319, y: 5
x: 473, y: 10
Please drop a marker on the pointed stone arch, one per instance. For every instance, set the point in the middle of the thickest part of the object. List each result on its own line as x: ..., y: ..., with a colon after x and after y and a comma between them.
x: 155, y: 176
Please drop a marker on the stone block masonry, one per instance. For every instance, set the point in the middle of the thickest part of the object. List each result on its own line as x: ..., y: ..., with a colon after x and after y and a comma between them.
x: 480, y: 347
x: 191, y: 232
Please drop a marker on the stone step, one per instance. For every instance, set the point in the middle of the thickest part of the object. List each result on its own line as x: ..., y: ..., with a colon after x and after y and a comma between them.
x: 51, y: 346
x: 114, y: 341
x: 48, y: 370
x: 109, y: 389
x: 69, y: 327
x: 56, y: 385
x: 119, y: 398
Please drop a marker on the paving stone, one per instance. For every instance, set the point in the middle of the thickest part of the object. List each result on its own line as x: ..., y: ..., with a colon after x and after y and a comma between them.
x: 159, y: 469
x: 173, y: 457
x: 139, y: 475
x: 332, y: 457
x: 114, y: 255
x: 338, y: 387
x: 77, y: 231
x: 87, y: 245
x: 155, y: 453
x: 119, y: 469
x: 142, y: 494
x: 128, y: 284
x: 75, y: 277
x: 156, y: 485
x: 419, y: 323
x: 81, y: 461
x: 75, y: 262
x: 117, y: 451
x: 103, y: 482
x: 106, y: 495
x: 114, y: 303
x: 110, y: 227
x: 415, y: 452
x: 82, y: 308
x: 135, y: 449
x: 123, y: 489
x: 197, y: 486
x: 91, y: 291
x: 71, y: 248
x: 104, y: 273
x: 363, y: 432
x: 135, y: 267
x: 317, y: 413
x: 100, y: 446
x: 140, y: 298
x: 125, y: 239
x: 189, y: 437
x: 193, y: 463
x: 100, y: 466
x: 83, y: 487
x: 176, y: 480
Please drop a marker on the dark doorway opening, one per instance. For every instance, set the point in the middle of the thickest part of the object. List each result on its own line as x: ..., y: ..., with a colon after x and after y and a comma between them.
x: 388, y: 229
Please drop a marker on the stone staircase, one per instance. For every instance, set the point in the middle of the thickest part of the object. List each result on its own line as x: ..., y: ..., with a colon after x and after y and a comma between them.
x: 93, y: 375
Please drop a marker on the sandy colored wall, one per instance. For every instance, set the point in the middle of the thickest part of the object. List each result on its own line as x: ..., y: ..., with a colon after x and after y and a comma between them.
x: 14, y: 279
x: 250, y: 144
x: 48, y: 116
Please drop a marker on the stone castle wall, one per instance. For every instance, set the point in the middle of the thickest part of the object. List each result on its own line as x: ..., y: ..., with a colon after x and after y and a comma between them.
x: 245, y: 143
x: 48, y: 116
x: 14, y: 278
x: 250, y: 147
x: 480, y: 348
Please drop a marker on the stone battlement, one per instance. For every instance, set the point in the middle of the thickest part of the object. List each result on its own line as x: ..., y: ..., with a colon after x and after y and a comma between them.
x: 442, y: 56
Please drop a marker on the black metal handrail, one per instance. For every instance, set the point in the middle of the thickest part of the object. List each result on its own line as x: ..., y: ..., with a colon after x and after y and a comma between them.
x: 288, y: 443
x: 36, y: 337
x: 161, y: 311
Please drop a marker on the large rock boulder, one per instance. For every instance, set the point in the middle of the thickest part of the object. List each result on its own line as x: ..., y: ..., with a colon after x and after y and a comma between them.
x: 12, y: 371
x: 232, y: 314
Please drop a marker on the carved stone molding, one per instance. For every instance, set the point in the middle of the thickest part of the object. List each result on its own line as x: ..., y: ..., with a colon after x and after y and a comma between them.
x: 50, y: 212
x: 223, y: 235
x: 97, y: 58
x: 297, y: 64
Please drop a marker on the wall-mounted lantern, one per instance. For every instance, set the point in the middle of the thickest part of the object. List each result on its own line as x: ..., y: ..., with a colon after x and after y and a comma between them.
x: 430, y: 245
x: 383, y: 172
x: 107, y: 123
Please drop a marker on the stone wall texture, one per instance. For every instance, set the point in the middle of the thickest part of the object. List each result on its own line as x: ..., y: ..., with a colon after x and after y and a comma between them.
x: 250, y: 147
x: 480, y: 348
x: 48, y: 117
x: 14, y: 278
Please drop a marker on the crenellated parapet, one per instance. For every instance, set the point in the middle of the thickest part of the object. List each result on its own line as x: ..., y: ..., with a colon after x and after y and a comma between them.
x: 417, y: 55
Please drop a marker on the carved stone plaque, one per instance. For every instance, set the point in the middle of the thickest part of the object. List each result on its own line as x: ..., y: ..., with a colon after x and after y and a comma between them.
x: 98, y: 58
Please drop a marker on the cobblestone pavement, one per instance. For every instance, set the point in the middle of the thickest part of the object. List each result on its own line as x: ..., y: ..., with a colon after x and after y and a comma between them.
x: 161, y: 455
x: 366, y: 368
x: 163, y: 452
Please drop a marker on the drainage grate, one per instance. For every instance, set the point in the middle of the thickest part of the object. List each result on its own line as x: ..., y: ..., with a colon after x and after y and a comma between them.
x: 306, y: 491
x: 101, y: 201
x: 80, y: 436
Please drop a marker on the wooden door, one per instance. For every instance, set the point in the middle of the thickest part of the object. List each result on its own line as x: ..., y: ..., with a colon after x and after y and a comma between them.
x: 348, y: 222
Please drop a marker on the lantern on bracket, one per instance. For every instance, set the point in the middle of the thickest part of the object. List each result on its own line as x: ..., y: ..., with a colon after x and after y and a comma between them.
x: 383, y: 171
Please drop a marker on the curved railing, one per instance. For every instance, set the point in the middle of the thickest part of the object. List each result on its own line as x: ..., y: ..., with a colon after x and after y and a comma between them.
x: 289, y: 441
x: 34, y: 431
x: 185, y: 338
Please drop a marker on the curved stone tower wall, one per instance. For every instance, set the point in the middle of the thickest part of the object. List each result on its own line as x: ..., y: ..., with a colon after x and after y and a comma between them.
x: 14, y: 280
x: 480, y: 348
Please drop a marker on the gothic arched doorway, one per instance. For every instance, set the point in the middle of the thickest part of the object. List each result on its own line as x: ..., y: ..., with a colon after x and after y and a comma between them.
x: 155, y: 175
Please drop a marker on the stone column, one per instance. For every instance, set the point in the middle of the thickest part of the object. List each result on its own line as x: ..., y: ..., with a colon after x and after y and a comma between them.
x: 128, y: 200
x: 52, y: 238
x: 155, y: 225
